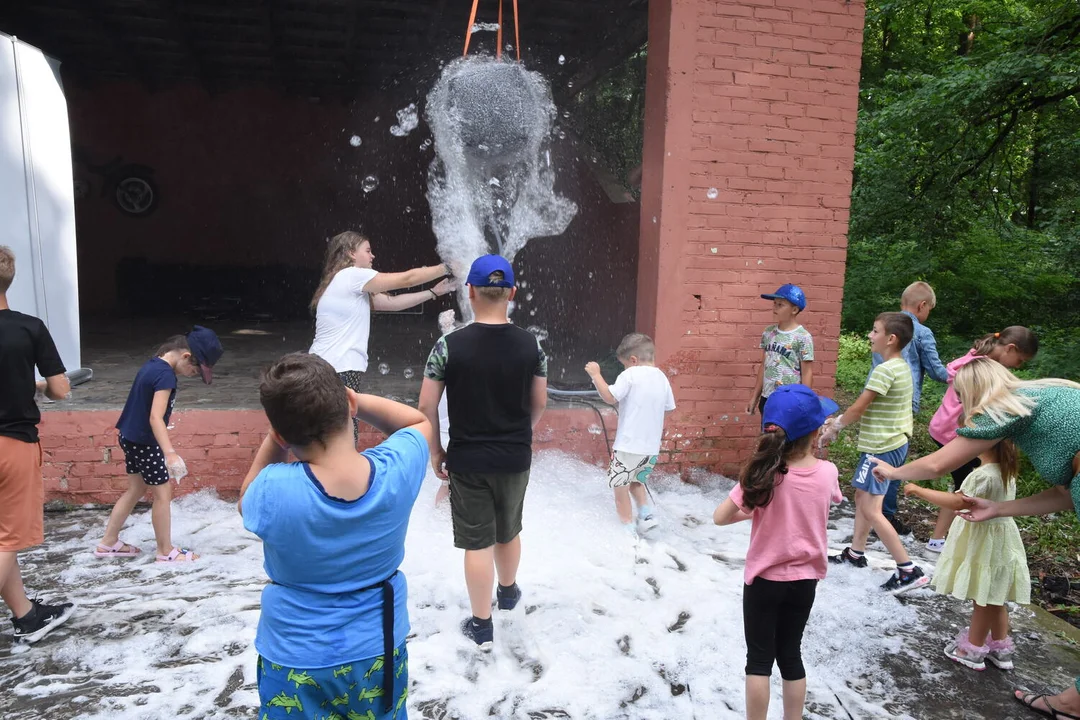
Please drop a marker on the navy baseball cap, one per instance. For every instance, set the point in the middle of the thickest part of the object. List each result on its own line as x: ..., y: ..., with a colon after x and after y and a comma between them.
x: 483, y: 266
x: 792, y: 293
x: 206, y: 348
x: 797, y: 409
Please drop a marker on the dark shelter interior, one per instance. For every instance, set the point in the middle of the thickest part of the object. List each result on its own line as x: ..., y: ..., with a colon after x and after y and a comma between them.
x: 218, y: 145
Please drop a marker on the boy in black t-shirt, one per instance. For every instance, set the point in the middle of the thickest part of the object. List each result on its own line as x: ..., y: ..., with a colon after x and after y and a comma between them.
x: 495, y: 376
x: 24, y: 343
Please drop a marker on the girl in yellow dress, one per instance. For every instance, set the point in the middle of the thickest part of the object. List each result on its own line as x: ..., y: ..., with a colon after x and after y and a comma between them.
x: 984, y: 562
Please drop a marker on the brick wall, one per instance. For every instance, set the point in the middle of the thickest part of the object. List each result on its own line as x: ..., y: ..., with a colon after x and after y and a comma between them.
x: 84, y: 463
x: 750, y: 121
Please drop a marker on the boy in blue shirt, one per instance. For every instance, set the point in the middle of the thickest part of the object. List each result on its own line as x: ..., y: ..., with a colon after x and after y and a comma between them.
x: 149, y: 455
x: 331, y: 636
x: 921, y: 354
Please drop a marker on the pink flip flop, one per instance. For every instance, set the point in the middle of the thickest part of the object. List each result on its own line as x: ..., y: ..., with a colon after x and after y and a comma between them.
x: 120, y: 549
x: 178, y: 555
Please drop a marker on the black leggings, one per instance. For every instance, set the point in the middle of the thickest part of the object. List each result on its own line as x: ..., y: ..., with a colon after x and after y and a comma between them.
x: 959, y: 475
x: 352, y: 380
x: 774, y: 616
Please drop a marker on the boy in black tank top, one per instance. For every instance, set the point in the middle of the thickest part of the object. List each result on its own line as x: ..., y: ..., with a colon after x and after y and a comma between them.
x: 495, y: 376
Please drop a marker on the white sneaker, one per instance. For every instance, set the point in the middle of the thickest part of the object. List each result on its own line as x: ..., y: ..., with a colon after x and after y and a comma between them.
x: 935, y: 545
x: 647, y: 523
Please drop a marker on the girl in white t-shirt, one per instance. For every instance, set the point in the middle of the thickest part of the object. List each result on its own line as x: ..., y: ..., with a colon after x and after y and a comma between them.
x: 348, y: 290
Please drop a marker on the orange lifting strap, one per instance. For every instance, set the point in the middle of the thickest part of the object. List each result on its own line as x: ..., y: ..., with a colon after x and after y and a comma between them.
x: 498, y: 39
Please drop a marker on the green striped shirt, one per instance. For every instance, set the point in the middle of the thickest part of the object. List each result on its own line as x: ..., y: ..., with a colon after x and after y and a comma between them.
x: 886, y: 425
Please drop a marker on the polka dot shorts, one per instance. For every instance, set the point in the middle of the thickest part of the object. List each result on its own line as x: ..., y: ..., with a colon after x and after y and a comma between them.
x: 145, y: 460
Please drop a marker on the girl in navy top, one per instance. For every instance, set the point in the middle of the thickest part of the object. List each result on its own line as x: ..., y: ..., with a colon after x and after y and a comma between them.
x: 148, y: 452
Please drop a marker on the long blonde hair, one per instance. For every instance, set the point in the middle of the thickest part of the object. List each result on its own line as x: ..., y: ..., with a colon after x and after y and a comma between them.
x: 986, y: 387
x: 338, y: 257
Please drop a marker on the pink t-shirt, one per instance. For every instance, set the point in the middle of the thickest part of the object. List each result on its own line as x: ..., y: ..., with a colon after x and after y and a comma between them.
x: 947, y: 418
x: 788, y: 539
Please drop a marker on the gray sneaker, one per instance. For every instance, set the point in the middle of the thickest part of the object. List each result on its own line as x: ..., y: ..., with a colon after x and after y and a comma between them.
x: 1001, y: 653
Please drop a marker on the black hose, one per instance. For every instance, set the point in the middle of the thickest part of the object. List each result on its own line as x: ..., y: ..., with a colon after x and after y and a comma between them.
x: 599, y: 415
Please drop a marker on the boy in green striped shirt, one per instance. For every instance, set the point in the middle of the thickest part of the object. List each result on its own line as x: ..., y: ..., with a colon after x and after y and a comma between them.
x: 884, y: 408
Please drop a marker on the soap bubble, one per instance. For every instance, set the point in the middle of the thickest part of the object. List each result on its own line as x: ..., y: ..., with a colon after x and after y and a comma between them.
x: 595, y: 429
x: 562, y: 59
x: 566, y: 113
x: 408, y: 373
x: 529, y: 296
x: 408, y: 208
x: 426, y: 144
x: 355, y: 141
x: 540, y: 333
x: 712, y: 193
x: 562, y: 135
x: 384, y: 368
x: 569, y: 83
x: 370, y: 183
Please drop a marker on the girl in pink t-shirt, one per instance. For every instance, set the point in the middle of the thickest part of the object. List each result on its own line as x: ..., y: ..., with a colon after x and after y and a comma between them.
x: 787, y: 493
x: 1012, y: 347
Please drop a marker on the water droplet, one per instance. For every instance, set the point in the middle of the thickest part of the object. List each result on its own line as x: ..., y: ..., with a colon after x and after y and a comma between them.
x: 426, y: 144
x: 376, y: 118
x: 562, y: 59
x: 408, y: 208
x: 494, y: 182
x: 590, y: 276
x: 523, y: 284
x: 566, y: 113
x: 595, y: 429
x: 712, y: 193
x: 569, y: 83
x: 408, y: 373
x: 355, y: 141
x: 384, y: 368
x: 562, y: 135
x: 532, y: 313
x: 370, y: 183
x: 529, y: 296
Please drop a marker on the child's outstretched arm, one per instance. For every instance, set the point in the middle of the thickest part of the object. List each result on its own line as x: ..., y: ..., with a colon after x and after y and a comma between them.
x: 947, y: 500
x: 431, y: 392
x: 728, y: 513
x: 852, y: 414
x: 601, y: 385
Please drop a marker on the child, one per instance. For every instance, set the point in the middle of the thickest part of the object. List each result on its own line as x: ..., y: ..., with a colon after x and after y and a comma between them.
x: 148, y: 452
x: 1012, y: 347
x: 983, y: 562
x: 25, y: 343
x: 921, y: 354
x: 787, y: 493
x: 333, y: 525
x: 885, y: 409
x: 787, y: 348
x: 447, y: 324
x: 643, y: 394
x: 495, y: 377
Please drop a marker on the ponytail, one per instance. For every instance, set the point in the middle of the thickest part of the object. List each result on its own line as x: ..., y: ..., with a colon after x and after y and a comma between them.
x: 1025, y: 341
x: 767, y: 466
x: 1008, y: 460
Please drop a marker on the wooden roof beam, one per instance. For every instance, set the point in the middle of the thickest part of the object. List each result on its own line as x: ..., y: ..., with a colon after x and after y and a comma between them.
x: 94, y: 13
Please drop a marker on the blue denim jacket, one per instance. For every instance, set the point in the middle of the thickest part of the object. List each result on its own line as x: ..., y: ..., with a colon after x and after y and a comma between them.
x: 922, y: 357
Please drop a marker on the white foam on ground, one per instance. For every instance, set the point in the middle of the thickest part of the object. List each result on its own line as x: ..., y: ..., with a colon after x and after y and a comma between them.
x: 153, y: 641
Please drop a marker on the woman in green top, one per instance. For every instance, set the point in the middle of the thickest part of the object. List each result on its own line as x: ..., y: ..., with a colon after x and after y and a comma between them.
x: 1043, y: 418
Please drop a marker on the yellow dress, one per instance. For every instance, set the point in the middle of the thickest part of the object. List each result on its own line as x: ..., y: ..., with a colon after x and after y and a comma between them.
x: 985, y: 561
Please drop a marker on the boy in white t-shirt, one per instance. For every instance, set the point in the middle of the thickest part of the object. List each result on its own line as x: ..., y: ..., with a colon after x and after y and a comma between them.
x: 644, y: 396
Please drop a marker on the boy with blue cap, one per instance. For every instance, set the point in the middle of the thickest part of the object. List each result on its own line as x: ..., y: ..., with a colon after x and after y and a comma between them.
x: 149, y: 455
x: 787, y: 493
x: 787, y: 348
x: 495, y: 377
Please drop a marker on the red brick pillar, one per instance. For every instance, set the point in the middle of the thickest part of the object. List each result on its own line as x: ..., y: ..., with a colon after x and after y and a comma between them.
x: 749, y: 146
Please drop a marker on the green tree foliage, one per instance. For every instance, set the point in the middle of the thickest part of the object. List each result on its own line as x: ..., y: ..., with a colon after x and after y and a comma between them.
x: 967, y: 170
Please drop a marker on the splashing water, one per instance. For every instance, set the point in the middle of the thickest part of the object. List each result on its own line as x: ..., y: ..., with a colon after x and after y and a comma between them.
x: 384, y: 368
x: 407, y: 120
x: 491, y: 119
x: 370, y: 183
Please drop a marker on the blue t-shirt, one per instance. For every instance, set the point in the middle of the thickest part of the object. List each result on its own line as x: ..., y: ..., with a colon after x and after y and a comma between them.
x: 134, y: 422
x: 319, y: 551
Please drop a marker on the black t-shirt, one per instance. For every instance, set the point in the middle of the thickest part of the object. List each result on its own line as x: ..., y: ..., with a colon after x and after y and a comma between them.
x: 24, y: 343
x: 488, y: 371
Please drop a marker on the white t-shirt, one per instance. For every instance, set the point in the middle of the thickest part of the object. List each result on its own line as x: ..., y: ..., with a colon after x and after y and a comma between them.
x: 644, y: 395
x: 343, y: 320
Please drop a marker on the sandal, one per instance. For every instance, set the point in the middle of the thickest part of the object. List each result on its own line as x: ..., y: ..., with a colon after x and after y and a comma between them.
x: 1028, y: 700
x: 120, y: 549
x: 182, y: 555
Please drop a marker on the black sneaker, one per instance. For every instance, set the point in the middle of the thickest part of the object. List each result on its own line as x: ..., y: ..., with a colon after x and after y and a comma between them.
x: 481, y: 632
x: 848, y: 557
x: 508, y: 598
x: 898, y: 525
x: 904, y: 580
x: 41, y: 620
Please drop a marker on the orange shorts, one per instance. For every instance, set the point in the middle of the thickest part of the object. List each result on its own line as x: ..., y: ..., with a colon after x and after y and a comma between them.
x: 22, y: 495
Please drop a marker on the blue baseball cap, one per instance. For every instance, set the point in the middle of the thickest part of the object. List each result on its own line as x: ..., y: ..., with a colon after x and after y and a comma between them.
x: 484, y: 266
x: 206, y: 348
x: 792, y: 293
x: 797, y: 409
